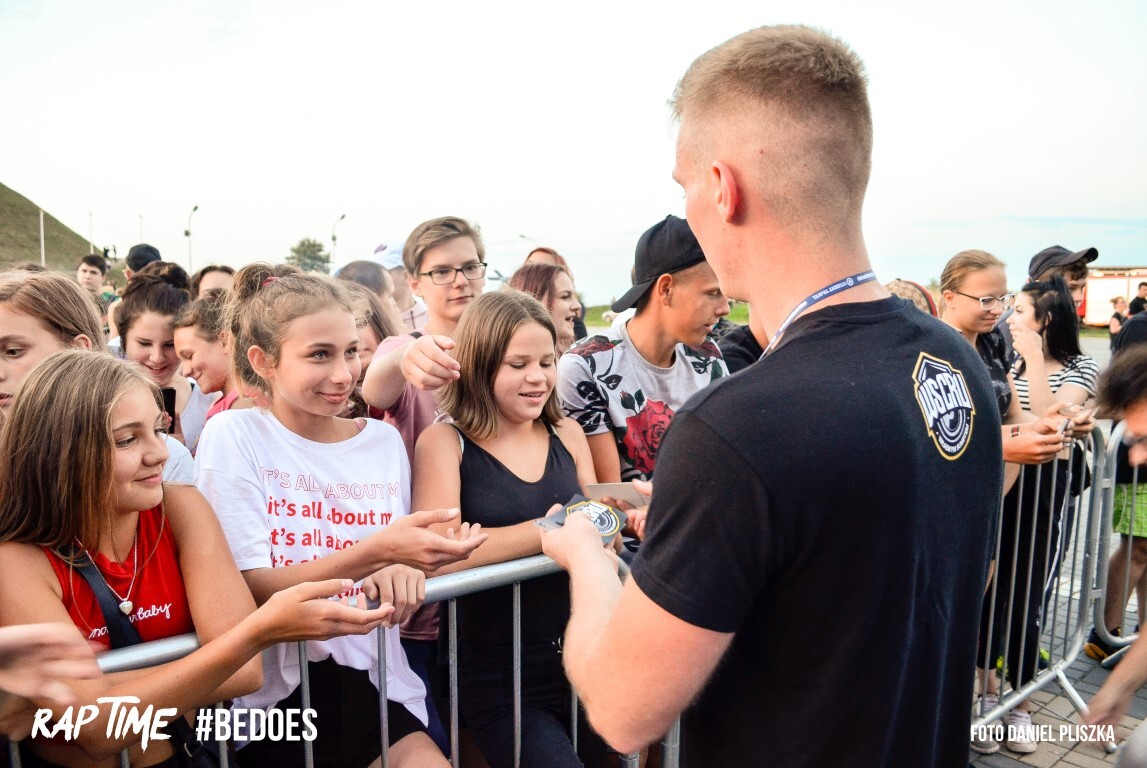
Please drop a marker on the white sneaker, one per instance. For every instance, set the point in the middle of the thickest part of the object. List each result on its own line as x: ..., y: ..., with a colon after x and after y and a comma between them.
x: 1021, y: 732
x: 985, y: 740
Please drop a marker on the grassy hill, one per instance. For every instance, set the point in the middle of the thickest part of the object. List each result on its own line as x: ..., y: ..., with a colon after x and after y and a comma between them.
x: 20, y: 235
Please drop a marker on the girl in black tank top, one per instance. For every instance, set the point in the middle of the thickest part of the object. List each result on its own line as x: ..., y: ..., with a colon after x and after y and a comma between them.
x: 506, y: 460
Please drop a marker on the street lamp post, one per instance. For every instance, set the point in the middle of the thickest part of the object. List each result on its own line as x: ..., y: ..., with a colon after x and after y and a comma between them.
x: 187, y: 234
x: 334, y: 237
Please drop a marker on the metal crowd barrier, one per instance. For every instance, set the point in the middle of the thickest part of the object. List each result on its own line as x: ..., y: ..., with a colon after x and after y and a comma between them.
x: 1071, y: 590
x: 438, y: 589
x: 1129, y: 495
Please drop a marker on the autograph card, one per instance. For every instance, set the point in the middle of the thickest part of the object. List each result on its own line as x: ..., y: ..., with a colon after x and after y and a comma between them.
x: 619, y: 491
x: 608, y: 520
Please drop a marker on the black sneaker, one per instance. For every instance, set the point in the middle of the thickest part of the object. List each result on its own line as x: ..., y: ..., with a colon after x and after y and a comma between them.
x: 1096, y: 648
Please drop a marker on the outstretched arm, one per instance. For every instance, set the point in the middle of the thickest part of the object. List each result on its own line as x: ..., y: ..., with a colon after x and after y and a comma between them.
x: 437, y: 481
x: 632, y: 692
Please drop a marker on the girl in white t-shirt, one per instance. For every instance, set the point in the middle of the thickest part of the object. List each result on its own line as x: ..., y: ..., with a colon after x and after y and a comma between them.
x: 301, y: 492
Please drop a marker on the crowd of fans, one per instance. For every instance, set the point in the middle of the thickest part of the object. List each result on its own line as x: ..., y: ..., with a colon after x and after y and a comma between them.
x: 225, y: 453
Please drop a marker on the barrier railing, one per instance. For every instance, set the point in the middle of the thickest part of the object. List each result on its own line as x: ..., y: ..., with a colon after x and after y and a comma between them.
x: 1124, y: 499
x: 1044, y: 591
x: 445, y: 589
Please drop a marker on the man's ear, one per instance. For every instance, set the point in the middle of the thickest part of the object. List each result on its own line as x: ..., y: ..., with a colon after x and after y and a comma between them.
x: 726, y: 191
x: 260, y: 362
x: 663, y: 289
x: 415, y: 284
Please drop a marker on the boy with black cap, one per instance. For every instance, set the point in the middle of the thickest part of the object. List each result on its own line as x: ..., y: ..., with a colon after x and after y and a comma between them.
x: 1056, y: 260
x: 137, y: 258
x: 624, y: 387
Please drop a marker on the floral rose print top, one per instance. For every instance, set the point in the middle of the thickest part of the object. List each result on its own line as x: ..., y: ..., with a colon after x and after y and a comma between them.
x: 607, y: 386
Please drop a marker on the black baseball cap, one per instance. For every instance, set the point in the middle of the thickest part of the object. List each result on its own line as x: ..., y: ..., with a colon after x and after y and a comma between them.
x: 666, y: 247
x: 140, y: 256
x: 1058, y: 256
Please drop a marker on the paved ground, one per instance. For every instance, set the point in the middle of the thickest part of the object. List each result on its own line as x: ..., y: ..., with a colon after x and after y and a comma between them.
x: 1054, y: 709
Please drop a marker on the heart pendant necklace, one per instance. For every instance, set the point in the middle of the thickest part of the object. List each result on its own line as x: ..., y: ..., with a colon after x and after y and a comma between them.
x: 125, y: 603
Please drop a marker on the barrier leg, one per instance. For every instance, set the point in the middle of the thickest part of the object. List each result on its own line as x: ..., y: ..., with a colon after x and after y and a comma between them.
x: 305, y: 686
x: 1077, y: 701
x: 517, y: 674
x: 452, y: 612
x: 383, y: 716
x: 671, y: 747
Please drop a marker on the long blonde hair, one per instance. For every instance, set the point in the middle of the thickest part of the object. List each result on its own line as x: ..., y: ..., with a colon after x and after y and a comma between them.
x: 56, y: 449
x: 67, y: 309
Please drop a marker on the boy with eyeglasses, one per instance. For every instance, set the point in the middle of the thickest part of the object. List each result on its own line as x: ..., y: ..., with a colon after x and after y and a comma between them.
x: 443, y: 258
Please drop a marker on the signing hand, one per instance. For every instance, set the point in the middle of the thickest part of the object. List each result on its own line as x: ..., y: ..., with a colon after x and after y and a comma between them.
x: 575, y: 539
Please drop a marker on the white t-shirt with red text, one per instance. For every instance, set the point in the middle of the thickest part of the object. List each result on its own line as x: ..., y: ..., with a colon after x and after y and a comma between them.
x: 283, y: 499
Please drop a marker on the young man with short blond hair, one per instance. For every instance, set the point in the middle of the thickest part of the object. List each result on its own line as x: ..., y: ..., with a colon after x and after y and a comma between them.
x: 816, y: 489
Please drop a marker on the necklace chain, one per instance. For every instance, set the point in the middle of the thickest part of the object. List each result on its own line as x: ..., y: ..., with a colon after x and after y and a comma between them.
x: 125, y: 604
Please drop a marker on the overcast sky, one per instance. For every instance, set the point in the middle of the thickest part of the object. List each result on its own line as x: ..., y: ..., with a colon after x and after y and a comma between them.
x: 1005, y: 126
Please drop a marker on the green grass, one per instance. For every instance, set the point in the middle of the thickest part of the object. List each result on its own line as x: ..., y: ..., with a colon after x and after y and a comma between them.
x: 20, y: 235
x: 738, y: 315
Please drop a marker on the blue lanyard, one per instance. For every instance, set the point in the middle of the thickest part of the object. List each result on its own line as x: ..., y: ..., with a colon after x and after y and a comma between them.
x: 841, y: 285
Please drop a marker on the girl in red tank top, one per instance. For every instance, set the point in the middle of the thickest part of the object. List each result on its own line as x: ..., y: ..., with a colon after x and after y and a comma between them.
x: 81, y: 462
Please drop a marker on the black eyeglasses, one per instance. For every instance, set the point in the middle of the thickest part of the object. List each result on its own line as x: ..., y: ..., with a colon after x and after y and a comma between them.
x: 988, y: 303
x: 446, y: 275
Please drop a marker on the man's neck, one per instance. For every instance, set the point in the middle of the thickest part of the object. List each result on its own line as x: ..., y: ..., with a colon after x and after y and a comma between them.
x: 646, y: 331
x: 791, y: 275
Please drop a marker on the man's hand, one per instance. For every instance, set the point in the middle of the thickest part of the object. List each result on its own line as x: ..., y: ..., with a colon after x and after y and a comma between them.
x: 427, y: 363
x: 577, y: 538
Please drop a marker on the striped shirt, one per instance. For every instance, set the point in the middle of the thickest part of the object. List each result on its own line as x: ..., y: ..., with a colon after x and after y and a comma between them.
x: 1080, y: 370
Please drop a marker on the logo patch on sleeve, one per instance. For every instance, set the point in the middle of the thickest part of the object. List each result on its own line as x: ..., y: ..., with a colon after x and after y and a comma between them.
x: 945, y: 403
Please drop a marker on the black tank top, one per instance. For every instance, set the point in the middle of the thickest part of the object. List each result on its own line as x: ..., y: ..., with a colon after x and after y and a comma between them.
x: 495, y: 497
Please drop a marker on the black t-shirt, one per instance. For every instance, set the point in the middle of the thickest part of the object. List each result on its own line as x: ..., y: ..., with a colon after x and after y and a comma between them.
x: 495, y: 497
x: 739, y: 348
x: 831, y: 506
x: 1137, y: 305
x: 994, y: 352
